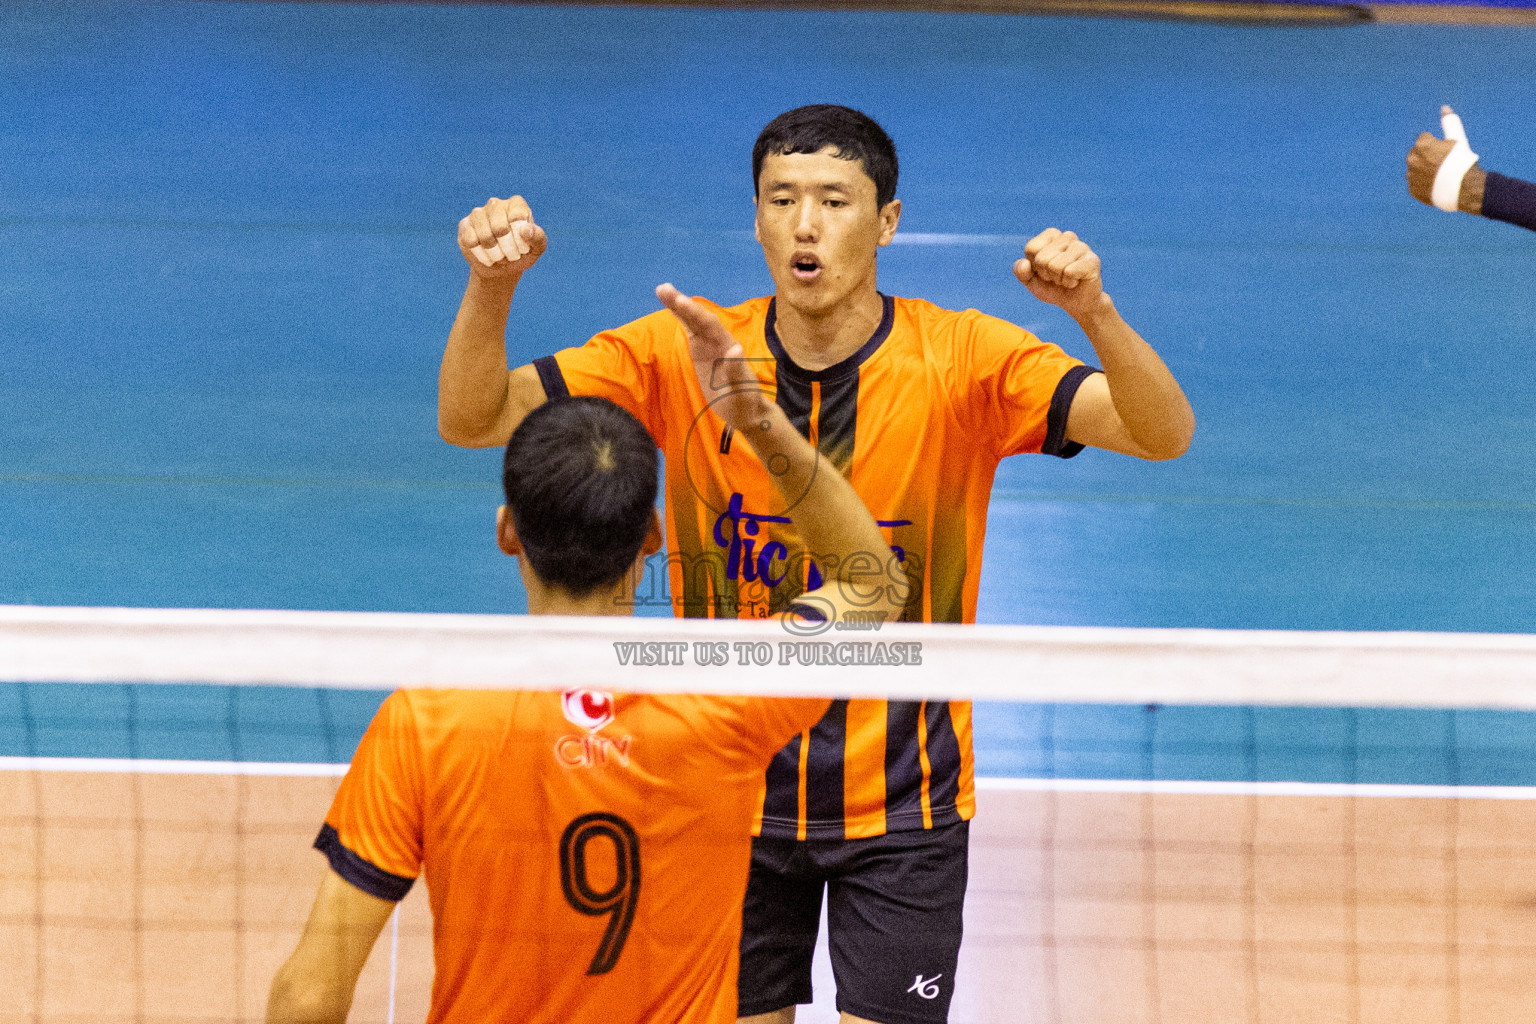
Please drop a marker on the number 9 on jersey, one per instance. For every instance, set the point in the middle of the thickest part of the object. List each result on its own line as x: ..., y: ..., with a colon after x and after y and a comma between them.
x: 620, y: 899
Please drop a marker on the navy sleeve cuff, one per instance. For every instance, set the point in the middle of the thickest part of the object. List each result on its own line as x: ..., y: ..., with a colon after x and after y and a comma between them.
x: 551, y: 377
x: 808, y: 612
x: 1510, y: 200
x: 372, y: 880
x: 1056, y: 442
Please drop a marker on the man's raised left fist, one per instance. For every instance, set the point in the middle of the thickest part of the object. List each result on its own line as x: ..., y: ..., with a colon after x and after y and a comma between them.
x: 1059, y: 268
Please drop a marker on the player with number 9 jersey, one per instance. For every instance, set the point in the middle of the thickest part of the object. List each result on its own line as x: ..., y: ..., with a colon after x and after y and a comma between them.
x: 586, y: 853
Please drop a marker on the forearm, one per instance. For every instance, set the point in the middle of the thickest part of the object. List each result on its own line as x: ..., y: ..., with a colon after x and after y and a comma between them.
x: 315, y: 984
x: 472, y: 384
x: 831, y: 518
x: 1145, y: 394
x: 295, y: 1000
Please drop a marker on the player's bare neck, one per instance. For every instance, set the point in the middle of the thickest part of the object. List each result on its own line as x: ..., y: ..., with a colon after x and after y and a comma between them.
x: 816, y: 339
x: 615, y: 600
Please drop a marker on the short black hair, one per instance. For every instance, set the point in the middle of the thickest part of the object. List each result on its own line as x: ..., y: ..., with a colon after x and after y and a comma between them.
x: 580, y: 480
x: 852, y: 134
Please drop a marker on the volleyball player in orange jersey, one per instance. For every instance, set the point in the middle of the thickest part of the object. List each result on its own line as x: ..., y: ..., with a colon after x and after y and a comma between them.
x: 916, y: 405
x: 586, y: 854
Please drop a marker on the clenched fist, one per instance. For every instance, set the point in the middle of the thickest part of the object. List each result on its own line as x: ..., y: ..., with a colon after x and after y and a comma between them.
x: 500, y: 239
x: 1059, y: 268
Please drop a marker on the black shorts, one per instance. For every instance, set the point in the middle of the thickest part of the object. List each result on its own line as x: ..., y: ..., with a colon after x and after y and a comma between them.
x: 894, y: 917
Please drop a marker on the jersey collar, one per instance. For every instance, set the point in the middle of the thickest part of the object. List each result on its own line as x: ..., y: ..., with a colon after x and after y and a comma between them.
x: 837, y: 371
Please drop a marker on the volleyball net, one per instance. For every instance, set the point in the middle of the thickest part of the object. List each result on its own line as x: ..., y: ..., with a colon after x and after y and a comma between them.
x: 1172, y: 825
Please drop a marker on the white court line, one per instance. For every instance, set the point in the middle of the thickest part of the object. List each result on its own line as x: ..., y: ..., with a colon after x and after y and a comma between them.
x: 1202, y: 788
x: 149, y: 766
x: 394, y: 960
x: 1199, y: 788
x: 939, y: 238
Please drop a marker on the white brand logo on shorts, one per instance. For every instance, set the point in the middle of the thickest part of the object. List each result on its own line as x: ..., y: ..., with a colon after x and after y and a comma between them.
x: 928, y: 988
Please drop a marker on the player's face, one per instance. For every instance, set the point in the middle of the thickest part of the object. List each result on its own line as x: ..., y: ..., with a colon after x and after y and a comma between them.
x: 819, y: 226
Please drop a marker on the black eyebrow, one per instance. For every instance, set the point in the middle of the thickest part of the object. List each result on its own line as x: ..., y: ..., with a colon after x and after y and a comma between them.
x: 825, y: 186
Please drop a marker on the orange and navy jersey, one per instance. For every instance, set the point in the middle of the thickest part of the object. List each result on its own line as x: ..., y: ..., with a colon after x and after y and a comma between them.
x: 585, y: 854
x: 918, y: 420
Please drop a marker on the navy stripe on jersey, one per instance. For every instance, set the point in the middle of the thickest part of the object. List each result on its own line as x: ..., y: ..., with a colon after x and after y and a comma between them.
x: 903, y: 770
x: 374, y: 881
x: 824, y: 764
x: 838, y: 422
x: 794, y: 397
x: 782, y: 802
x: 947, y: 565
x: 837, y: 371
x: 551, y: 377
x: 1056, y: 442
x: 943, y: 764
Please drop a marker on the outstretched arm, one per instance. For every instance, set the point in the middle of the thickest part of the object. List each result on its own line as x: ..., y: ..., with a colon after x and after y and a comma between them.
x: 1135, y: 407
x: 315, y: 986
x: 480, y: 402
x: 832, y: 519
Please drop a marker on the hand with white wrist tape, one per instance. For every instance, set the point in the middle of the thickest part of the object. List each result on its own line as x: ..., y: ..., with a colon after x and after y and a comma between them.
x: 1444, y: 172
x: 500, y: 239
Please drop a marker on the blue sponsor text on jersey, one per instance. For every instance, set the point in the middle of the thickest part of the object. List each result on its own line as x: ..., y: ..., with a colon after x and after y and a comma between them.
x: 742, y: 562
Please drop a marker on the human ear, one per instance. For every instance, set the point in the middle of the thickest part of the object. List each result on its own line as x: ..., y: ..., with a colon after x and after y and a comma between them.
x: 506, y: 533
x: 648, y: 547
x: 890, y: 216
x: 652, y: 543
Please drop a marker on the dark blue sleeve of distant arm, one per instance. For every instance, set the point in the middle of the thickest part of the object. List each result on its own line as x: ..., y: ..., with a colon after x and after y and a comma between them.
x: 1510, y: 200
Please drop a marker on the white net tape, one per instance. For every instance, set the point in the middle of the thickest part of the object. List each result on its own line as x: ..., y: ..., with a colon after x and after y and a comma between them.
x: 1032, y: 663
x: 1172, y: 825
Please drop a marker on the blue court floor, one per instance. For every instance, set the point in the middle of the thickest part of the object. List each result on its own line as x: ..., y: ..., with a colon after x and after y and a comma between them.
x: 228, y: 267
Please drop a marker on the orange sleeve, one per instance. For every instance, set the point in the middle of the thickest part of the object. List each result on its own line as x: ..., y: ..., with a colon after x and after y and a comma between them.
x: 770, y: 722
x: 373, y: 833
x: 621, y: 365
x: 1023, y: 388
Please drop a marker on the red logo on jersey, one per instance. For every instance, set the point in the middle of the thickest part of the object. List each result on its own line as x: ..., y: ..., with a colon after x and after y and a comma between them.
x: 591, y: 751
x: 590, y: 709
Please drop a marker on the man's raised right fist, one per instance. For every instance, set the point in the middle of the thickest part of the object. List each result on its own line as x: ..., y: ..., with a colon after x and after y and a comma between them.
x: 500, y: 239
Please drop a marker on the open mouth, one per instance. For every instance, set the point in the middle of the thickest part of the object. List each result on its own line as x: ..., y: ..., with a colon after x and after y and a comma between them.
x: 806, y: 266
